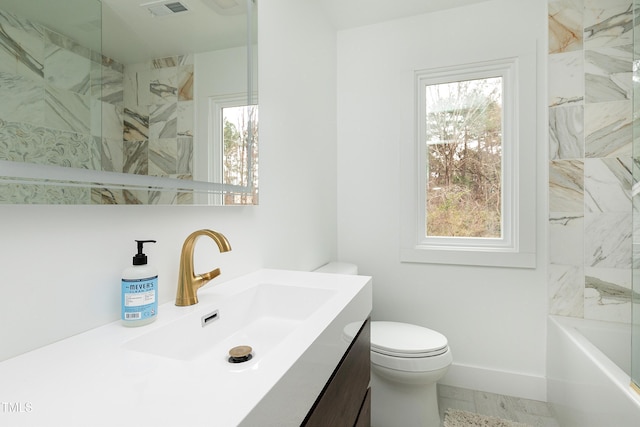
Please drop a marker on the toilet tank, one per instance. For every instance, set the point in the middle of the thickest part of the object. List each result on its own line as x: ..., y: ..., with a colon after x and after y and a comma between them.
x: 338, y: 268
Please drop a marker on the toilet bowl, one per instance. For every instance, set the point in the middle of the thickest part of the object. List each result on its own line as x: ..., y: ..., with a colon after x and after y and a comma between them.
x: 406, y: 363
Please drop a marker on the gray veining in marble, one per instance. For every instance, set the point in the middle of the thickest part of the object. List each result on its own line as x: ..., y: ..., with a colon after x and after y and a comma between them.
x: 22, y: 99
x: 185, y: 118
x: 163, y: 85
x: 107, y: 84
x: 607, y: 184
x: 566, y: 78
x: 608, y: 239
x: 22, y: 44
x: 565, y: 25
x: 163, y: 121
x: 566, y: 186
x: 163, y: 157
x: 112, y: 155
x: 608, y: 294
x: 21, y: 142
x: 185, y: 155
x: 566, y: 132
x: 566, y: 290
x: 608, y: 129
x: 136, y: 123
x: 66, y: 110
x: 136, y: 157
x: 62, y: 42
x: 608, y: 73
x: 608, y: 22
x: 566, y: 238
x: 66, y: 70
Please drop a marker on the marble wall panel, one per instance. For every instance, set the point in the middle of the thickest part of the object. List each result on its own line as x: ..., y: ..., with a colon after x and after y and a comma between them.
x: 608, y: 73
x: 136, y: 86
x: 566, y: 238
x: 111, y: 120
x: 136, y: 123
x: 163, y: 121
x: 608, y: 129
x: 112, y: 154
x: 566, y: 290
x: 185, y: 155
x: 66, y: 110
x: 566, y: 186
x: 21, y: 46
x: 566, y: 78
x: 163, y: 84
x: 43, y: 194
x: 607, y: 185
x: 107, y: 84
x: 22, y: 99
x: 185, y: 82
x: 566, y: 132
x: 185, y: 118
x: 608, y: 239
x: 163, y: 157
x: 608, y: 23
x: 608, y: 294
x: 565, y: 25
x: 136, y: 157
x: 53, y: 38
x: 596, y: 286
x: 66, y: 70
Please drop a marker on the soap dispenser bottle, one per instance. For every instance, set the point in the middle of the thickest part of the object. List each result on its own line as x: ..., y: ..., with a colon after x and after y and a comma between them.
x: 139, y: 290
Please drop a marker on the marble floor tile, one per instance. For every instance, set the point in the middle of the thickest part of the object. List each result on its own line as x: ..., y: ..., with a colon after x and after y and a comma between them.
x: 531, y: 412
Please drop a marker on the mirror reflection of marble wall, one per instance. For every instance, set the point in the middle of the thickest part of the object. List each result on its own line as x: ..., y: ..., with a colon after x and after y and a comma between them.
x: 65, y: 105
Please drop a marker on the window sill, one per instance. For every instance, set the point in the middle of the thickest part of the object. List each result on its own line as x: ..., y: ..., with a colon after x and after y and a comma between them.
x: 468, y: 256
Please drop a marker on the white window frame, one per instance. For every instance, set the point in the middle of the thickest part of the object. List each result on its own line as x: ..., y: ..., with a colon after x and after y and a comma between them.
x: 516, y: 246
x: 215, y: 135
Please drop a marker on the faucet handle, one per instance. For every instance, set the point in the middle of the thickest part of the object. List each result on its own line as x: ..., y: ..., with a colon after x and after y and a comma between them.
x: 210, y: 275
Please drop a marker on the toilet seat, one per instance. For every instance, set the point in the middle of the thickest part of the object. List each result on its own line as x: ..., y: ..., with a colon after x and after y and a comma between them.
x: 406, y: 340
x: 407, y: 347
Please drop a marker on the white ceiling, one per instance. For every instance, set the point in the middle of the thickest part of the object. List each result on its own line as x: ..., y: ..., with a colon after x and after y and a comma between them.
x: 131, y: 34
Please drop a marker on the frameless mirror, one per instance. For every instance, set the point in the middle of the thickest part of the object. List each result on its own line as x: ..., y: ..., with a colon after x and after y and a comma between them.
x: 128, y: 102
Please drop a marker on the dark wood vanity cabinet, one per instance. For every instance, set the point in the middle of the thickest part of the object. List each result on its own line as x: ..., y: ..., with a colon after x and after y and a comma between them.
x: 345, y: 400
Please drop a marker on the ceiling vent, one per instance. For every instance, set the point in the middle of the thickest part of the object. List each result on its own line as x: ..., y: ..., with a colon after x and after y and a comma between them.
x: 164, y: 8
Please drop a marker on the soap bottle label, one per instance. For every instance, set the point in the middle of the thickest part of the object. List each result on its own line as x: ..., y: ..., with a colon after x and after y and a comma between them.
x: 139, y: 299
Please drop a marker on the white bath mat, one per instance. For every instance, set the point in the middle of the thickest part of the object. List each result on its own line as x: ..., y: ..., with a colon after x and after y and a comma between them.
x: 458, y: 418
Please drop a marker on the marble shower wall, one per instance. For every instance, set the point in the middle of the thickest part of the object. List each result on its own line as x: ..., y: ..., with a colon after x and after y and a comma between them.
x: 590, y: 158
x: 63, y: 104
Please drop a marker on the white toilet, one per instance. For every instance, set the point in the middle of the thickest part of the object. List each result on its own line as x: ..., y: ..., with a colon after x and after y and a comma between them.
x: 406, y: 362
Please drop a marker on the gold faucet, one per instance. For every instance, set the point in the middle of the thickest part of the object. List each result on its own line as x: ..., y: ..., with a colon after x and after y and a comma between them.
x: 188, y: 282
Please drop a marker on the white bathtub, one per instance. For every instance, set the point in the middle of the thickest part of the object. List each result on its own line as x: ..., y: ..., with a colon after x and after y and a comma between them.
x: 588, y: 365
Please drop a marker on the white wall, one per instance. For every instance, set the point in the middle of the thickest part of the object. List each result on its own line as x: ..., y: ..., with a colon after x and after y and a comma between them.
x: 61, y: 265
x: 494, y: 318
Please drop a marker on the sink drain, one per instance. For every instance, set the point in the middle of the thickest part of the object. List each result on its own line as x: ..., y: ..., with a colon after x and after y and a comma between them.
x: 240, y: 354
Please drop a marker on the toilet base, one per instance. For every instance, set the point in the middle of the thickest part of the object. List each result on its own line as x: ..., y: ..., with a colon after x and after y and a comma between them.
x: 394, y: 403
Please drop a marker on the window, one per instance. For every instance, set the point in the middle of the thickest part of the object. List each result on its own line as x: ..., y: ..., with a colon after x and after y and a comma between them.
x: 471, y: 198
x: 463, y: 137
x: 234, y: 155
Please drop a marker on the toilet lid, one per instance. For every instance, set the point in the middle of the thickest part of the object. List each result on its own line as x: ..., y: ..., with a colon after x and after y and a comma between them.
x: 406, y: 340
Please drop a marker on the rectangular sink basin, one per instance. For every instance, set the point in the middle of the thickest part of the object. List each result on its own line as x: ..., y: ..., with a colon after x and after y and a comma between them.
x: 260, y: 317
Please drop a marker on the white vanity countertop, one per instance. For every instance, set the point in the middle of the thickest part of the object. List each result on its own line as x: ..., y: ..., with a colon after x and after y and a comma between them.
x: 96, y: 379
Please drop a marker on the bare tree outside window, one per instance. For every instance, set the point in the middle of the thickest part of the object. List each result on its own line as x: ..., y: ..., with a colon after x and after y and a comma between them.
x: 240, y: 152
x: 464, y: 146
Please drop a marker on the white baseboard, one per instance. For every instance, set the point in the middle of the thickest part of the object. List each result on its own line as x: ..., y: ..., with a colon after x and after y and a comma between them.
x: 515, y: 384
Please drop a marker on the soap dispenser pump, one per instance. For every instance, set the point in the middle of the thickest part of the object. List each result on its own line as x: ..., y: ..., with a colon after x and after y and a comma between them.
x: 139, y: 290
